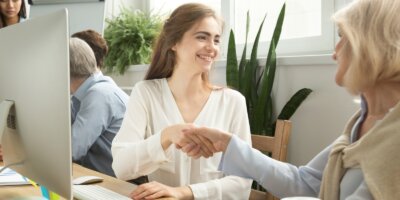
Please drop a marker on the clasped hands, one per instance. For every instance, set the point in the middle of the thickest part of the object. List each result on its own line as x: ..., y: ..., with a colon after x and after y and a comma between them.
x: 198, y: 142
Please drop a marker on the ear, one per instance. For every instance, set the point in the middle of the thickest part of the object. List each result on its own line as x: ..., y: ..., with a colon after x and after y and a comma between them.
x: 173, y: 48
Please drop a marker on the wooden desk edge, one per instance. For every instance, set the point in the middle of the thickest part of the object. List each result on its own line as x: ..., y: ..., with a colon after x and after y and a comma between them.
x: 111, y: 183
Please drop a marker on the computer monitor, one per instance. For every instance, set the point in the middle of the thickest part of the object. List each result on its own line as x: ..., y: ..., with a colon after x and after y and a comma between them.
x: 34, y: 76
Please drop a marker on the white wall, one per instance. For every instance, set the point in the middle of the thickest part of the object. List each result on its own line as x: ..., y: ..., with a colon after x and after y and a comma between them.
x: 318, y: 121
x: 82, y: 16
x: 321, y: 118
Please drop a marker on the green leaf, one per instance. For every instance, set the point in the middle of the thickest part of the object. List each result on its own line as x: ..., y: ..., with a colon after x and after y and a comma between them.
x: 265, y: 94
x: 243, y: 60
x: 268, y: 75
x: 232, y: 73
x: 251, y: 69
x: 291, y: 106
x: 258, y: 89
x: 270, y: 131
x: 129, y: 37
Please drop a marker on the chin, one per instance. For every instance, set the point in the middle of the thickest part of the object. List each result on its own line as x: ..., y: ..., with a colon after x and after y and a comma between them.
x: 207, y: 68
x: 339, y: 83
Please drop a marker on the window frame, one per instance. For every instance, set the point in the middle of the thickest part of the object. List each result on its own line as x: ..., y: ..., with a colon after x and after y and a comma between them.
x: 315, y: 45
x: 322, y: 44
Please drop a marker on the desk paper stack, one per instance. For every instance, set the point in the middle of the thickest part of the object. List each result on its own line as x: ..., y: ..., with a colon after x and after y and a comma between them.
x: 11, y: 177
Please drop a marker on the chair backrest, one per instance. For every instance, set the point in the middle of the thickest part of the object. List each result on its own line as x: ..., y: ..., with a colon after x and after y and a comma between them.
x: 277, y: 146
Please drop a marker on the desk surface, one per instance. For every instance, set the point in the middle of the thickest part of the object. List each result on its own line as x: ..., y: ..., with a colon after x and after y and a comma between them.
x: 109, y: 182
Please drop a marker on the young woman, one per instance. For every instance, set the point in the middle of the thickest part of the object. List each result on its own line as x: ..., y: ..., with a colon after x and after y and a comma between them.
x: 177, y: 90
x: 363, y: 163
x: 12, y: 12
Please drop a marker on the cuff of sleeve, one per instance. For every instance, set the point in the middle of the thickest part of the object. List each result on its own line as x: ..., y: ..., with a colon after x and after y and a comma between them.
x: 199, y: 191
x: 228, y: 151
x: 154, y: 147
x: 232, y: 158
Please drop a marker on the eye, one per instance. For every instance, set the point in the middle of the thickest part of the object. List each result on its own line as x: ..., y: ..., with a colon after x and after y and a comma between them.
x: 339, y: 33
x: 201, y: 37
x: 216, y: 41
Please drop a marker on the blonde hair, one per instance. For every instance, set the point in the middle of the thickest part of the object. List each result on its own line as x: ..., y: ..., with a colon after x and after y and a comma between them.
x: 372, y: 30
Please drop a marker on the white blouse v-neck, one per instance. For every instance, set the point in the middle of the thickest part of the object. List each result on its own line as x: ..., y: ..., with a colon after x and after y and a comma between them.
x: 169, y: 97
x: 137, y: 149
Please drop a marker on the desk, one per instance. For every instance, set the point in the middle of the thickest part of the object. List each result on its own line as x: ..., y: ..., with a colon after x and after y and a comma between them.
x: 109, y: 182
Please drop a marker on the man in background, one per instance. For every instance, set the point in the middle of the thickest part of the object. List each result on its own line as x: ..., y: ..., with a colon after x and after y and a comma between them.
x: 96, y: 42
x: 97, y: 108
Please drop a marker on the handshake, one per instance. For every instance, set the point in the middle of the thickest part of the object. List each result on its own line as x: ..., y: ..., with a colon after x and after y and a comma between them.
x: 195, y: 141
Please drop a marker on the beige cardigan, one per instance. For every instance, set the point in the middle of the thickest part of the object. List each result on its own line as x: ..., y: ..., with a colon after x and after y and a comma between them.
x: 377, y: 153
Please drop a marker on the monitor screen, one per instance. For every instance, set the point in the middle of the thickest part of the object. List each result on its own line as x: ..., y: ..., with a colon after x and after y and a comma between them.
x: 34, y: 76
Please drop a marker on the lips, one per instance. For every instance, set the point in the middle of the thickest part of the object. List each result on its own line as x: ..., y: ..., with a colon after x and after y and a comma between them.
x: 206, y: 58
x: 10, y: 12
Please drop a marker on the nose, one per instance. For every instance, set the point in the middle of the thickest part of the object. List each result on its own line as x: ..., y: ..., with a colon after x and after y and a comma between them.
x: 10, y: 4
x: 334, y: 56
x: 211, y: 46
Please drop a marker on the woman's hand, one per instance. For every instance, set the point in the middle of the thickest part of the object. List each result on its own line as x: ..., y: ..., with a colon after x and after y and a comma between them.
x: 155, y: 190
x: 201, y: 144
x: 176, y: 134
x: 209, y: 138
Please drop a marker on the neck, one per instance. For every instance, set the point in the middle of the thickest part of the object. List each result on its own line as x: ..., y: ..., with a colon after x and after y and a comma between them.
x: 76, y: 83
x: 186, y: 85
x: 382, y: 97
x: 11, y: 21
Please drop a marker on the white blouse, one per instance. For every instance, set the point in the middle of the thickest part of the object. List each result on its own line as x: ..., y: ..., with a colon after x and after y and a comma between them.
x: 137, y: 149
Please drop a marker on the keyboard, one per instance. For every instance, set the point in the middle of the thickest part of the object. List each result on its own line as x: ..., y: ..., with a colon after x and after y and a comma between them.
x: 95, y: 192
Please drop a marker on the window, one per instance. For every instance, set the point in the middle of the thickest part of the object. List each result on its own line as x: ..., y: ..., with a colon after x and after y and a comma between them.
x: 302, y: 18
x: 307, y: 27
x: 112, y: 8
x: 167, y: 6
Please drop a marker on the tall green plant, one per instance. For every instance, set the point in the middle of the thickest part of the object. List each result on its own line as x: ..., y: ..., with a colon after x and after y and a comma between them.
x: 258, y: 89
x: 130, y: 37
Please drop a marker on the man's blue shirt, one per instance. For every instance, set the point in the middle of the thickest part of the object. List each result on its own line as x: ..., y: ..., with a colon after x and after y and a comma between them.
x: 97, y: 111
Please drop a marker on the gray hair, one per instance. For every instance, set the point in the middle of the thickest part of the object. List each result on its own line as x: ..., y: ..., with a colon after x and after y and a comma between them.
x: 81, y: 59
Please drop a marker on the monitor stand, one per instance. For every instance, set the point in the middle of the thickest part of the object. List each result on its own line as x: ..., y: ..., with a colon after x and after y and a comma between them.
x: 5, y: 108
x: 8, y: 132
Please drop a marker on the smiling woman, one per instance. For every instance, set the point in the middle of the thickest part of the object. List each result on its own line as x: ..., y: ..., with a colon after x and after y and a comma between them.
x: 11, y: 12
x: 177, y: 90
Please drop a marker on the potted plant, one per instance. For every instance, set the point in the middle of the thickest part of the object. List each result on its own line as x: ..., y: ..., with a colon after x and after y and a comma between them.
x: 130, y: 38
x: 257, y: 89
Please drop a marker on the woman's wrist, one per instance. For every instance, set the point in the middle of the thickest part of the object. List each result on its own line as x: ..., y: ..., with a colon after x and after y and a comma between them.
x: 165, y: 139
x: 226, y: 138
x: 184, y: 193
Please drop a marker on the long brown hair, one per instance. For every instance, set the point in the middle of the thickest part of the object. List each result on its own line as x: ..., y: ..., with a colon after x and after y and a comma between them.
x: 21, y: 13
x: 180, y: 21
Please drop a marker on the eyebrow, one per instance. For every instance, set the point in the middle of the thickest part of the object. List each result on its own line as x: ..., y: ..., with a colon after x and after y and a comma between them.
x: 206, y: 33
